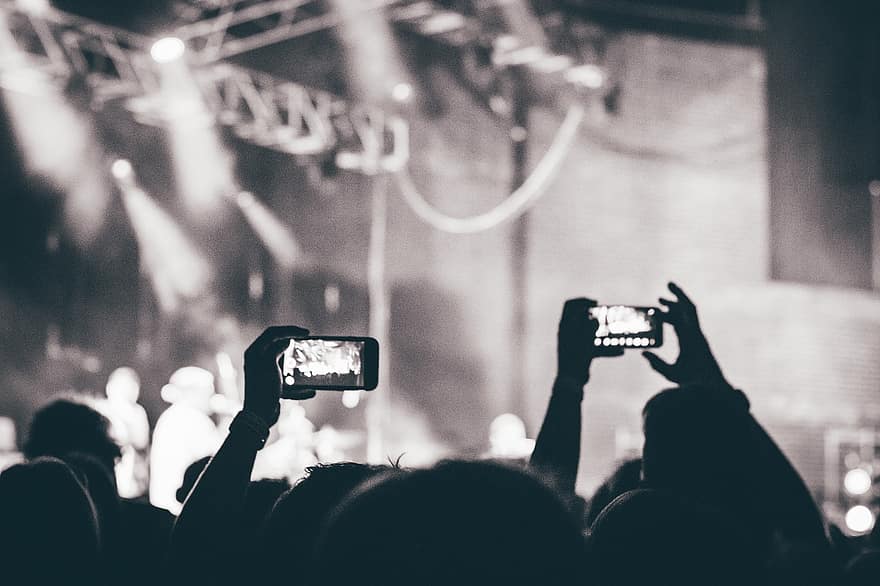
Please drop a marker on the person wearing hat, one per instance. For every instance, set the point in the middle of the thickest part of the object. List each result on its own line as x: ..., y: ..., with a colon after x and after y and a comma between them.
x: 184, y: 433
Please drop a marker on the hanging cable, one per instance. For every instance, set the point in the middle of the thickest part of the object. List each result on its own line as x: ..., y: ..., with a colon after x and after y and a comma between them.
x: 516, y: 203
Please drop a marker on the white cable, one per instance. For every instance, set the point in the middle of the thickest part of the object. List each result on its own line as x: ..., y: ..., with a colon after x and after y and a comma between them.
x: 516, y: 203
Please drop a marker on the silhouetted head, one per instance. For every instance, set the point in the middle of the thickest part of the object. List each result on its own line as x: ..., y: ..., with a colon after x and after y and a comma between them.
x: 261, y: 497
x: 293, y: 526
x: 49, y: 531
x: 68, y: 425
x: 864, y: 570
x: 677, y: 424
x: 100, y: 484
x: 651, y: 537
x: 190, y: 476
x: 456, y: 523
x: 627, y: 476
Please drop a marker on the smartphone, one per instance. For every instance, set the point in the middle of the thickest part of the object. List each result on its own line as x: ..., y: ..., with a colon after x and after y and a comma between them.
x: 627, y: 326
x: 334, y: 363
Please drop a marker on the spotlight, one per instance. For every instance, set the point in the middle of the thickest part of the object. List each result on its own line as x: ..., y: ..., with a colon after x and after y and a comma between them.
x: 245, y: 199
x: 167, y: 49
x: 857, y: 481
x: 402, y: 93
x: 859, y: 519
x: 351, y: 399
x: 121, y: 169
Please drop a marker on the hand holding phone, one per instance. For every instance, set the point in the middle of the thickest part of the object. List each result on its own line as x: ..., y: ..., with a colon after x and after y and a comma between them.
x: 575, y: 349
x: 262, y: 374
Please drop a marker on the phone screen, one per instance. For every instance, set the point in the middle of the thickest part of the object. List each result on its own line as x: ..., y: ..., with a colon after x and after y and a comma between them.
x: 627, y: 326
x: 330, y: 363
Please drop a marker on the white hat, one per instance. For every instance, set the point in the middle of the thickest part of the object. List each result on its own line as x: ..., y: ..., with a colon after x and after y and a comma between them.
x: 187, y: 380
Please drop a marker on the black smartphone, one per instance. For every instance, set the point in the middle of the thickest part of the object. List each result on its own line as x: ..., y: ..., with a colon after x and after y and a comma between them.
x: 333, y: 363
x: 627, y: 326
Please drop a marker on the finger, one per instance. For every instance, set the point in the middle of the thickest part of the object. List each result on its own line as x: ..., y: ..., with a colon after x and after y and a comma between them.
x: 576, y: 306
x: 661, y: 366
x: 672, y: 315
x: 275, y: 333
x: 682, y: 296
x: 300, y: 394
x: 667, y: 302
x: 277, y: 349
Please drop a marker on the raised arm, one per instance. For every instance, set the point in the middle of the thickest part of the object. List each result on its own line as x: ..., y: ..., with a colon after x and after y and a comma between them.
x: 558, y: 447
x: 205, y: 531
x: 702, y: 436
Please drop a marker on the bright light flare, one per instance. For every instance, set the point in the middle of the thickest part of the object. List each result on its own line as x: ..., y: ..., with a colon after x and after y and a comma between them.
x: 202, y: 165
x: 272, y: 232
x: 507, y: 437
x: 58, y: 143
x: 176, y: 269
x: 857, y: 481
x: 859, y: 519
x: 402, y: 93
x: 167, y: 49
x: 371, y: 53
x: 121, y: 169
x: 351, y: 399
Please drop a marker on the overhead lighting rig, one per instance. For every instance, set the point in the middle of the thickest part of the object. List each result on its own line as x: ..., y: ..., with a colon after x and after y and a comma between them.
x: 259, y: 108
x: 225, y: 28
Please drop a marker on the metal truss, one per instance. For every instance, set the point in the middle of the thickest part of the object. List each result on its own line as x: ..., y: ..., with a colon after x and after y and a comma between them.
x: 231, y: 27
x: 431, y: 20
x: 259, y: 108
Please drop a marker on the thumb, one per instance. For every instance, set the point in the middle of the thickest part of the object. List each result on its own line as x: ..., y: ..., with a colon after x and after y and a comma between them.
x: 298, y: 394
x: 658, y: 364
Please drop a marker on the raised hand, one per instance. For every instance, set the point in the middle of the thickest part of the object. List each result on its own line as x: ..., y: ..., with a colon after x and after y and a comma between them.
x: 695, y: 362
x: 262, y: 373
x: 575, y: 348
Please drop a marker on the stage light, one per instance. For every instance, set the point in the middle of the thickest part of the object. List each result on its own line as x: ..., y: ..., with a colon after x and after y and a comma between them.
x: 244, y: 199
x: 371, y: 54
x: 167, y: 49
x: 174, y: 266
x: 852, y: 459
x: 275, y: 235
x: 121, y: 169
x: 857, y: 481
x: 203, y: 166
x: 351, y: 399
x: 508, y: 439
x: 58, y: 143
x: 859, y: 519
x: 402, y: 93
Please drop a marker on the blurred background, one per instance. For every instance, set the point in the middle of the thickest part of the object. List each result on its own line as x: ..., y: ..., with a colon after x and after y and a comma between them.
x: 179, y: 174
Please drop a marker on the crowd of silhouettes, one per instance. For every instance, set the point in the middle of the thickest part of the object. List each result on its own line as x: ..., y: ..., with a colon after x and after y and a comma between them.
x: 711, y: 501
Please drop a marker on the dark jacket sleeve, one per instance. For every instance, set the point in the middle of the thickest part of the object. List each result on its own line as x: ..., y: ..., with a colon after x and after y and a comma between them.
x: 206, y: 530
x: 558, y: 447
